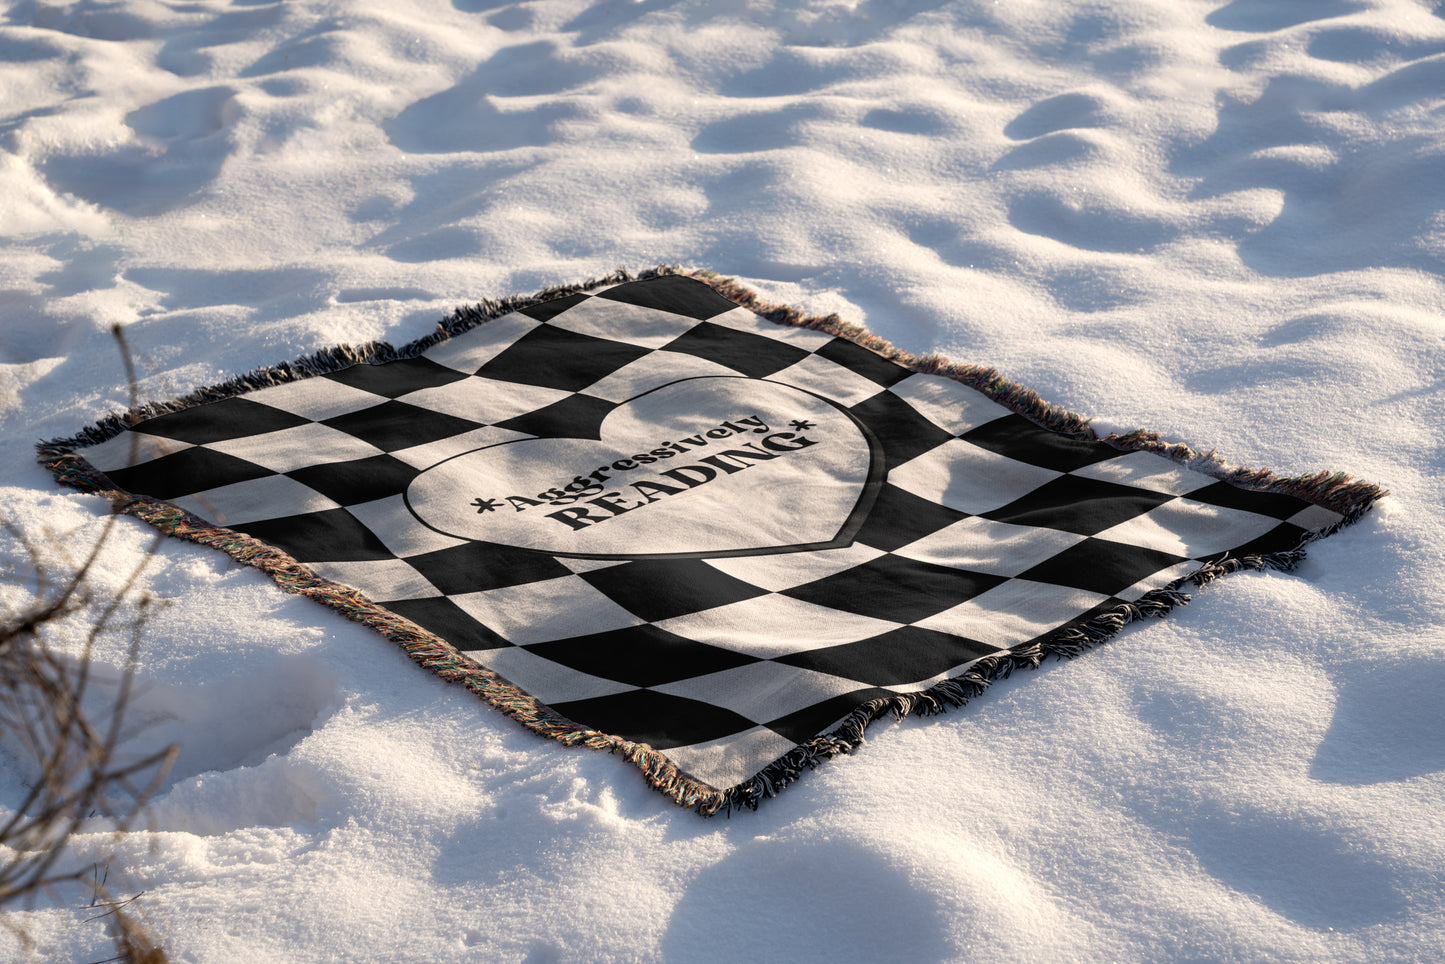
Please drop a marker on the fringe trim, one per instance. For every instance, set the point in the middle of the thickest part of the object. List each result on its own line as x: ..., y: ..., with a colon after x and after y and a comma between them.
x: 1063, y: 643
x: 335, y: 359
x: 1337, y: 491
x: 1333, y: 490
x: 425, y: 648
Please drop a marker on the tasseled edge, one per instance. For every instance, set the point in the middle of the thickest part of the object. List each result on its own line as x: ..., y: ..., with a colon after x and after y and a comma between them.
x: 425, y: 648
x: 335, y: 359
x: 1333, y: 490
x: 1066, y: 642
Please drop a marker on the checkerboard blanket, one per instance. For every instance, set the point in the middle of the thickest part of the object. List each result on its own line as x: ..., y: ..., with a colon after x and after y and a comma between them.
x: 658, y: 517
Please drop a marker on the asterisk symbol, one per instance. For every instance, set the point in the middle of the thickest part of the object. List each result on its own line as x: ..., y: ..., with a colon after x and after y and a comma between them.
x: 800, y: 425
x: 484, y: 505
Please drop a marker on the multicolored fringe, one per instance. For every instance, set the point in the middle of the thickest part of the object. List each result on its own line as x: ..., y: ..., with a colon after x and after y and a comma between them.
x: 1337, y: 491
x: 335, y: 359
x: 1066, y: 642
x: 425, y: 648
x: 1333, y: 490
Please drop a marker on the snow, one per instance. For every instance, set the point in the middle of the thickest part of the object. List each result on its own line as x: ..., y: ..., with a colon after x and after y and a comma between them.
x: 1222, y: 221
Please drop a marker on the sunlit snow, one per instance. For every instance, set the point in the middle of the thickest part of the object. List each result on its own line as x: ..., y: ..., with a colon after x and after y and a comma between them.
x: 1222, y: 221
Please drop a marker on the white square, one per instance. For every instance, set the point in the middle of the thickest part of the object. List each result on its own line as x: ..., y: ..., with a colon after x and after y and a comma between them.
x: 743, y: 319
x: 316, y: 398
x: 654, y: 370
x: 425, y: 456
x: 401, y: 532
x: 297, y: 448
x: 620, y: 321
x: 472, y: 349
x: 1013, y: 612
x: 1145, y: 470
x: 1000, y: 548
x: 968, y: 478
x: 728, y: 761
x: 382, y: 580
x: 483, y: 399
x: 1157, y: 580
x: 784, y: 570
x: 808, y: 339
x: 1314, y: 517
x: 580, y: 566
x: 1183, y: 527
x: 548, y: 681
x: 829, y: 379
x: 271, y: 497
x: 131, y: 448
x: 763, y: 691
x: 771, y: 625
x: 550, y: 609
x: 951, y: 405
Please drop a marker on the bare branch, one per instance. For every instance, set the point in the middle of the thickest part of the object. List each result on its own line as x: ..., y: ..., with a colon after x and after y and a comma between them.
x: 48, y: 711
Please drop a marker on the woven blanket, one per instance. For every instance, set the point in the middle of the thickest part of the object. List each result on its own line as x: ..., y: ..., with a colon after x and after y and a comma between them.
x: 657, y: 517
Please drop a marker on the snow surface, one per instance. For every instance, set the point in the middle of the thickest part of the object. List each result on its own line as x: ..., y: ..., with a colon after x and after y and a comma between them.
x: 1224, y: 221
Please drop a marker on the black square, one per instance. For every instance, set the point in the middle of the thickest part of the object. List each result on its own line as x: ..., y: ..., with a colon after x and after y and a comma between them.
x: 334, y: 535
x: 897, y: 589
x: 181, y: 473
x: 908, y: 655
x: 1017, y: 438
x: 478, y: 566
x: 576, y: 416
x: 899, y: 517
x: 1282, y: 538
x: 679, y: 295
x: 862, y: 361
x: 398, y: 377
x: 1080, y: 505
x: 901, y: 429
x: 1100, y: 608
x: 662, y: 589
x: 802, y: 725
x: 548, y: 310
x: 1275, y: 504
x: 640, y: 656
x: 1098, y: 565
x: 444, y: 618
x: 550, y: 357
x: 217, y: 421
x: 658, y: 719
x: 756, y: 356
x: 395, y: 425
x: 358, y: 481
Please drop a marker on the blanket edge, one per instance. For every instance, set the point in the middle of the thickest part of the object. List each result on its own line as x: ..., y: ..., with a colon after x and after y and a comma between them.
x: 1349, y: 497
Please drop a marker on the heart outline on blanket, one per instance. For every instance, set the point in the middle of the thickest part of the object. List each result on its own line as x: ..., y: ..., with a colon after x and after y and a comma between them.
x: 745, y: 454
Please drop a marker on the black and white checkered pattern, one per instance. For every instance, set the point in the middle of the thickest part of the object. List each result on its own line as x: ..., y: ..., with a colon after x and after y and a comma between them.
x: 984, y: 531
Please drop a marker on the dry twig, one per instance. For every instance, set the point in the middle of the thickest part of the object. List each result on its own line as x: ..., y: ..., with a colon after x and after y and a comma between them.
x: 78, y: 774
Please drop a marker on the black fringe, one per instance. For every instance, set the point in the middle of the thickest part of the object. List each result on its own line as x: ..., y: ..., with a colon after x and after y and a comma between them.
x: 334, y: 359
x: 1065, y: 642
